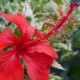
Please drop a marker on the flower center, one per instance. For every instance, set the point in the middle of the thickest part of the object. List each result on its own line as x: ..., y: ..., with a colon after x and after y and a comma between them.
x: 20, y: 47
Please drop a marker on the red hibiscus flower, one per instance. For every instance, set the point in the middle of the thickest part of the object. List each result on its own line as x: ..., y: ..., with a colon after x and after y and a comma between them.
x: 37, y: 53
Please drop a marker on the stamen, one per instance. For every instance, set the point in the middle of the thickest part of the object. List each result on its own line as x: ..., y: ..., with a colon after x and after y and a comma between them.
x: 63, y: 19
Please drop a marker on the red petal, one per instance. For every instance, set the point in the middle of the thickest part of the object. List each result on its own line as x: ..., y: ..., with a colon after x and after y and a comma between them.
x: 42, y: 46
x: 8, y: 38
x: 29, y: 32
x: 22, y: 17
x: 26, y: 30
x: 37, y: 65
x: 10, y: 67
x: 38, y: 34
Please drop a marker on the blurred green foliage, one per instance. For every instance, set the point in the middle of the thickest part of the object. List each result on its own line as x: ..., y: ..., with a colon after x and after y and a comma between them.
x: 58, y: 2
x: 74, y: 70
x: 76, y: 40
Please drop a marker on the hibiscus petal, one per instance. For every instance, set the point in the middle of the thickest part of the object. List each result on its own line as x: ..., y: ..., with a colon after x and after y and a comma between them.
x: 38, y: 34
x: 25, y: 29
x: 10, y: 67
x: 37, y: 65
x: 8, y: 38
x: 22, y: 17
x: 42, y: 46
x: 29, y: 29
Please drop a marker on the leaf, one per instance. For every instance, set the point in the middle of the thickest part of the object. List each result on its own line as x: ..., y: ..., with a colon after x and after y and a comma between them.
x: 48, y: 8
x: 55, y: 17
x: 17, y: 32
x: 64, y: 46
x: 54, y: 77
x: 57, y: 65
x: 74, y: 71
x: 59, y: 2
x: 37, y: 7
x: 1, y: 29
x: 76, y: 39
x: 67, y: 55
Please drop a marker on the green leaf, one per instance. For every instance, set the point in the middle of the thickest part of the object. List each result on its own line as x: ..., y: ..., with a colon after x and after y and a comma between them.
x: 17, y: 32
x: 54, y: 77
x: 74, y: 70
x: 67, y: 55
x: 59, y: 2
x: 28, y: 18
x: 1, y: 29
x: 55, y: 17
x: 76, y: 40
x: 37, y: 5
x: 48, y: 8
